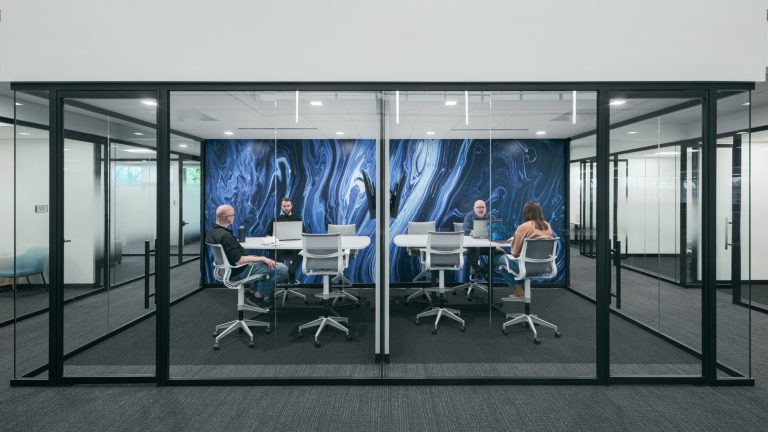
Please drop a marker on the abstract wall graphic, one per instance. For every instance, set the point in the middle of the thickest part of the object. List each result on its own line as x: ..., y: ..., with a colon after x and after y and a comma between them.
x: 323, y: 177
x: 441, y: 179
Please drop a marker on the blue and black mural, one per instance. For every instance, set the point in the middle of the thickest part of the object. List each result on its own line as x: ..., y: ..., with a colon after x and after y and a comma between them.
x: 443, y: 178
x: 323, y: 177
x: 436, y: 179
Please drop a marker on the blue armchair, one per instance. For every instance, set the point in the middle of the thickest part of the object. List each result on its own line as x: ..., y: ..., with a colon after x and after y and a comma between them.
x: 30, y: 263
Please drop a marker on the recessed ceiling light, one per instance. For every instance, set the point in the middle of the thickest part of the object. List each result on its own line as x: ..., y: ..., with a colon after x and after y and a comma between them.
x: 19, y: 104
x: 316, y: 103
x: 340, y: 133
x: 631, y: 132
x: 66, y: 149
x: 742, y: 132
x: 138, y: 133
x: 228, y: 133
x: 541, y: 132
x: 24, y: 133
x: 149, y: 102
x: 430, y: 132
x: 618, y: 102
x: 451, y: 102
x: 139, y: 151
x: 183, y: 145
x: 667, y: 153
x: 745, y: 103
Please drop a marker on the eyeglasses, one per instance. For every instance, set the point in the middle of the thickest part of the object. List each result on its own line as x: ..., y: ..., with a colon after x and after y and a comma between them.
x: 231, y: 215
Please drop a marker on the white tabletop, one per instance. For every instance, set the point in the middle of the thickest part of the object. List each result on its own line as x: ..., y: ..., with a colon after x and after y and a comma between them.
x: 347, y: 242
x: 420, y: 241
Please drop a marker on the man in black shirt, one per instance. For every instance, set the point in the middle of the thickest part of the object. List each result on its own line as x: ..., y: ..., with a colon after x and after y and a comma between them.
x: 286, y: 214
x: 259, y: 291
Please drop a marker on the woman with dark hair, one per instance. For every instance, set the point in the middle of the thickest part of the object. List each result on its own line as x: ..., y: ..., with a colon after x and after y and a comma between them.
x: 533, y: 226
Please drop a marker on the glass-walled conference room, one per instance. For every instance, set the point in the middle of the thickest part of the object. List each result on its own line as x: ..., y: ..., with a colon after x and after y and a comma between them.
x: 406, y: 235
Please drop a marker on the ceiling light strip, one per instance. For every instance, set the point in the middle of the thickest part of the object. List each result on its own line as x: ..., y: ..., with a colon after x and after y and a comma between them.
x: 397, y: 107
x: 297, y: 106
x: 573, y: 111
x: 466, y: 107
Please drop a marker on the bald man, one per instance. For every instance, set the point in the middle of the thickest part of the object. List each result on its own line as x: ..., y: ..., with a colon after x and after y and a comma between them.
x: 479, y: 212
x: 260, y: 291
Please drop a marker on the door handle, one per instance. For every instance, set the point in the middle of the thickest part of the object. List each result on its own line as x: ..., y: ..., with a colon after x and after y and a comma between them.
x: 184, y: 223
x: 727, y: 222
x: 67, y: 241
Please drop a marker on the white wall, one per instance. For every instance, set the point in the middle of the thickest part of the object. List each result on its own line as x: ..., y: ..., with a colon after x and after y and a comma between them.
x: 396, y: 40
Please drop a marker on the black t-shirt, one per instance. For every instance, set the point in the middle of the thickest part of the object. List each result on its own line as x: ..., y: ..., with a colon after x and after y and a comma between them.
x: 232, y: 248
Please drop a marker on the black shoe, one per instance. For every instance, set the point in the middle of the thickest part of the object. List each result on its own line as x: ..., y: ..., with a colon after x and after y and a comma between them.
x: 262, y: 302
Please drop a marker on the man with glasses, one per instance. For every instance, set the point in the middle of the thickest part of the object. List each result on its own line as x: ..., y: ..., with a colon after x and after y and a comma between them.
x: 479, y: 212
x: 259, y: 292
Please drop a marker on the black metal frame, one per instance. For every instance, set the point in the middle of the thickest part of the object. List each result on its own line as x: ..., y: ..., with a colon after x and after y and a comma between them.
x: 161, y: 92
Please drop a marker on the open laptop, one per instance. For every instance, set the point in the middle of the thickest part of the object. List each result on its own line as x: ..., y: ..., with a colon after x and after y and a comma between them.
x: 480, y: 229
x: 287, y: 230
x: 500, y: 231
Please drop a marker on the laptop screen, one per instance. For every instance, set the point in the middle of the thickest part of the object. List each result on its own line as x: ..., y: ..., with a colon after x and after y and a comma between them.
x: 500, y: 231
x: 480, y: 228
x: 288, y: 230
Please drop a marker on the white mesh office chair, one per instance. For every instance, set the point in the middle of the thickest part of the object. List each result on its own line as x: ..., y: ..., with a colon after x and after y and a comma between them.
x: 323, y: 257
x: 345, y: 230
x: 221, y: 272
x: 285, y: 289
x: 420, y: 228
x: 536, y: 261
x: 444, y: 251
x: 472, y: 283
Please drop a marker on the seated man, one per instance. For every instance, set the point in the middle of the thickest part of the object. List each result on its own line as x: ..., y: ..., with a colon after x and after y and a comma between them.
x: 473, y: 254
x: 292, y: 256
x: 259, y: 292
x: 533, y: 226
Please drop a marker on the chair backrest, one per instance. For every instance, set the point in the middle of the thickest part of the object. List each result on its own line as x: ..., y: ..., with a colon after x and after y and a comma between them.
x: 537, y: 258
x: 34, y: 259
x: 322, y: 254
x: 345, y: 230
x: 421, y: 227
x: 445, y: 251
x: 221, y: 267
x: 458, y: 226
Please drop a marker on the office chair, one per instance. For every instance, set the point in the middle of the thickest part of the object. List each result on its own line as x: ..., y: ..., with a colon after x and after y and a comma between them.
x: 345, y: 230
x: 419, y: 228
x: 444, y: 251
x: 221, y: 272
x: 30, y: 263
x: 323, y: 257
x: 472, y: 284
x: 536, y: 260
x: 286, y: 291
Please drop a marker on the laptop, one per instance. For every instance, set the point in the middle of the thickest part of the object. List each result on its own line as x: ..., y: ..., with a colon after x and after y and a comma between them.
x: 287, y: 230
x: 500, y: 231
x: 480, y: 229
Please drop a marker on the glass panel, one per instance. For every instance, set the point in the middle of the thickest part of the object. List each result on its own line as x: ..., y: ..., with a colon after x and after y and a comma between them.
x: 583, y: 202
x: 736, y: 291
x: 24, y: 272
x: 110, y: 186
x: 191, y: 180
x: 652, y: 191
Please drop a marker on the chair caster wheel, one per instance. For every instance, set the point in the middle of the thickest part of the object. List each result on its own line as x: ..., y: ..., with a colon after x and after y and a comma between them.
x: 416, y: 321
x: 251, y: 344
x: 537, y: 341
x: 434, y: 331
x: 317, y: 344
x: 349, y: 337
x: 306, y: 302
x: 215, y: 347
x: 504, y: 332
x: 267, y: 330
x: 557, y: 334
x: 215, y: 334
x: 463, y: 328
x: 300, y: 334
x: 469, y: 299
x: 405, y: 304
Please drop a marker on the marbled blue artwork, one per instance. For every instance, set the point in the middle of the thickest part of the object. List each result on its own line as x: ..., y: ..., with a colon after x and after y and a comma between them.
x: 443, y: 178
x: 323, y: 177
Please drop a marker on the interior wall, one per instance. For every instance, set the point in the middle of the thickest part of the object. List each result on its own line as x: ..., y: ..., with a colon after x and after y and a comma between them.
x: 595, y: 40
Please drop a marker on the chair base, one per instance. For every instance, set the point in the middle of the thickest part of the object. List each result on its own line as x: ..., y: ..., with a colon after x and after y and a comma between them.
x: 531, y: 321
x: 441, y: 312
x: 321, y: 322
x: 241, y: 324
x: 418, y: 292
x: 343, y: 294
x: 471, y: 286
x: 289, y: 292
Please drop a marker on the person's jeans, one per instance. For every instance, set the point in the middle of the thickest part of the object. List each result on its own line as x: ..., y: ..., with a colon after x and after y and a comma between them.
x: 509, y: 278
x: 264, y: 287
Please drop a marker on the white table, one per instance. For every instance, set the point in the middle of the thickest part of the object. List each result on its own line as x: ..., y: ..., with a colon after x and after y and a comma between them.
x: 420, y: 241
x: 347, y: 242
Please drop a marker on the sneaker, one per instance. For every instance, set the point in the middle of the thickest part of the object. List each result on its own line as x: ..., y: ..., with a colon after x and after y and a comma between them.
x: 262, y: 302
x: 519, y: 292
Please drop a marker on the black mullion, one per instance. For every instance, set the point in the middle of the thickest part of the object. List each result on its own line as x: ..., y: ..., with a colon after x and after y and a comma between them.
x: 603, y: 280
x: 736, y: 220
x: 683, y: 234
x: 567, y: 189
x: 162, y: 246
x: 709, y: 227
x: 181, y: 211
x: 56, y: 238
